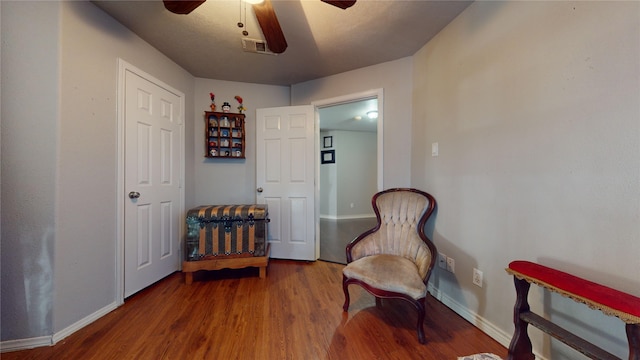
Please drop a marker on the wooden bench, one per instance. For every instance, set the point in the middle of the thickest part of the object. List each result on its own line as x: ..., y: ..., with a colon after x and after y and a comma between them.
x: 609, y: 301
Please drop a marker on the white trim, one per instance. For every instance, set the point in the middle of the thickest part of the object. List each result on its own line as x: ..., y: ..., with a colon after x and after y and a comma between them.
x: 60, y: 335
x: 475, y: 319
x: 123, y: 67
x: 369, y: 94
x: 478, y: 321
x: 365, y: 95
x: 119, y: 268
x: 25, y: 344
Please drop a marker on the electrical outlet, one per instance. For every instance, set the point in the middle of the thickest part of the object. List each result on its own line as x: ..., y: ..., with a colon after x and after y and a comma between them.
x: 451, y: 265
x: 477, y: 277
x: 442, y: 261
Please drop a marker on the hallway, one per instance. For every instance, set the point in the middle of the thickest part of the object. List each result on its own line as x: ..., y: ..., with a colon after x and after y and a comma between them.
x: 336, y: 234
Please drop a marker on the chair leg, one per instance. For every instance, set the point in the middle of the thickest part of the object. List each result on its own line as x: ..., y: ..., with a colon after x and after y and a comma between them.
x: 421, y: 315
x: 345, y: 307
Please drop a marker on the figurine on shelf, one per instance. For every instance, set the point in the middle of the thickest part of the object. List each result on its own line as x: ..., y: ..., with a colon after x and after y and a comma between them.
x: 241, y: 107
x: 226, y: 107
x: 213, y: 101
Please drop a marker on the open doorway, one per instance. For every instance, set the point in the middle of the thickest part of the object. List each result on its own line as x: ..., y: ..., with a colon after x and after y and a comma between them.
x: 350, y: 164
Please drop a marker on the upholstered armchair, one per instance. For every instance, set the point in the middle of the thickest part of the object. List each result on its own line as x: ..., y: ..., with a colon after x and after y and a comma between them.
x: 395, y: 258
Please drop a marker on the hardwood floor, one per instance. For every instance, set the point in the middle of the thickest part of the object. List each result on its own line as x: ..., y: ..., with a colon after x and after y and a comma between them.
x: 336, y: 234
x: 294, y: 313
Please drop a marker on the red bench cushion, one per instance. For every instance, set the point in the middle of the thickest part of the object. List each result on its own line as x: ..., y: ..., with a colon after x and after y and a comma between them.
x: 608, y: 300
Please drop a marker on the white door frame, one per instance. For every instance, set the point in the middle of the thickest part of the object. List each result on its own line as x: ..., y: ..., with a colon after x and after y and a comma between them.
x: 123, y: 67
x: 365, y: 95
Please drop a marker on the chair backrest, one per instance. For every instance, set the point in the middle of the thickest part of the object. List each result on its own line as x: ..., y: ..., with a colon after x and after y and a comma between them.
x: 401, y: 214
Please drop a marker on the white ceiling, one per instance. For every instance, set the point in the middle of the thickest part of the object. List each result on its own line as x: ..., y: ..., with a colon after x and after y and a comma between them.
x: 323, y: 39
x: 350, y: 116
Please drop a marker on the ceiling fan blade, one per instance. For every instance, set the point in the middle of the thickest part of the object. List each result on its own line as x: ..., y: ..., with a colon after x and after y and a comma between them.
x: 270, y: 26
x: 342, y: 4
x: 182, y: 6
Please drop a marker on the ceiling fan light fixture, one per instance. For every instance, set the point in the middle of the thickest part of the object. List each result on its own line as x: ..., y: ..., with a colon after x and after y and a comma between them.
x: 373, y: 114
x: 253, y: 2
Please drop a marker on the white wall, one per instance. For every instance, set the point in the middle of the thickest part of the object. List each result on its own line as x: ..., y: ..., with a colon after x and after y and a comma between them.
x: 356, y: 173
x: 328, y: 184
x: 395, y: 79
x: 59, y: 203
x: 229, y: 181
x: 535, y: 109
x: 30, y: 116
x: 352, y: 179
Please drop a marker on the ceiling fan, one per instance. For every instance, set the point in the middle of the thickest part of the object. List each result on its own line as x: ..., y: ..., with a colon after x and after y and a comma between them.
x: 265, y: 15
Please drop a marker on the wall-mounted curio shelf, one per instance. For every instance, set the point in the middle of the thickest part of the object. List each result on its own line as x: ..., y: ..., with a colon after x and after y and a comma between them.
x: 224, y: 135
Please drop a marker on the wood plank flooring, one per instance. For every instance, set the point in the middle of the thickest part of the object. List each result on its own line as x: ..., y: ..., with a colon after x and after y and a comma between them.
x: 294, y: 313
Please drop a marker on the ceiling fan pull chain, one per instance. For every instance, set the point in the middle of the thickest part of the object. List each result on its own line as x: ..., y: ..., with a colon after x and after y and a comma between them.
x: 241, y: 22
x: 245, y: 32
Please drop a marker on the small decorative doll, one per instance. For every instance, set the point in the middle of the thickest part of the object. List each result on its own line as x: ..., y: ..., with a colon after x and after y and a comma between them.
x: 226, y: 107
x: 213, y: 101
x: 241, y: 107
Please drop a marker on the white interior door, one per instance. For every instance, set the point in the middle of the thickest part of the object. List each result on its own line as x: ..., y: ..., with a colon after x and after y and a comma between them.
x: 285, y: 175
x: 152, y: 185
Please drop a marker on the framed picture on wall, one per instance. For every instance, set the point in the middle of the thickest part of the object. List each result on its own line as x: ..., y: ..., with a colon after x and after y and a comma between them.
x: 328, y: 156
x: 328, y: 142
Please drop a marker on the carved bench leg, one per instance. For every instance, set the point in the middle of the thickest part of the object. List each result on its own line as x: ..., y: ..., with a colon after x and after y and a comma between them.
x: 520, y: 347
x: 633, y: 335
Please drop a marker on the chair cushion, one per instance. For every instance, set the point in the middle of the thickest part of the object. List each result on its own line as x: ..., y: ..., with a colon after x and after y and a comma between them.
x: 388, y: 272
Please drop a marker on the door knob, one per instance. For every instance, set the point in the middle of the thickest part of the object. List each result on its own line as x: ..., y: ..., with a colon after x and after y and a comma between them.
x: 134, y: 195
x: 259, y: 189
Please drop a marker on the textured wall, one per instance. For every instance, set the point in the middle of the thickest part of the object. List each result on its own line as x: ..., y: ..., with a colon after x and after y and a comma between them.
x: 535, y: 109
x: 30, y: 117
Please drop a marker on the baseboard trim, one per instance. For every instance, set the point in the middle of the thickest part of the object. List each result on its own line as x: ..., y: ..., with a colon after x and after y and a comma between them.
x: 60, y: 335
x: 476, y: 320
x: 25, y: 344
